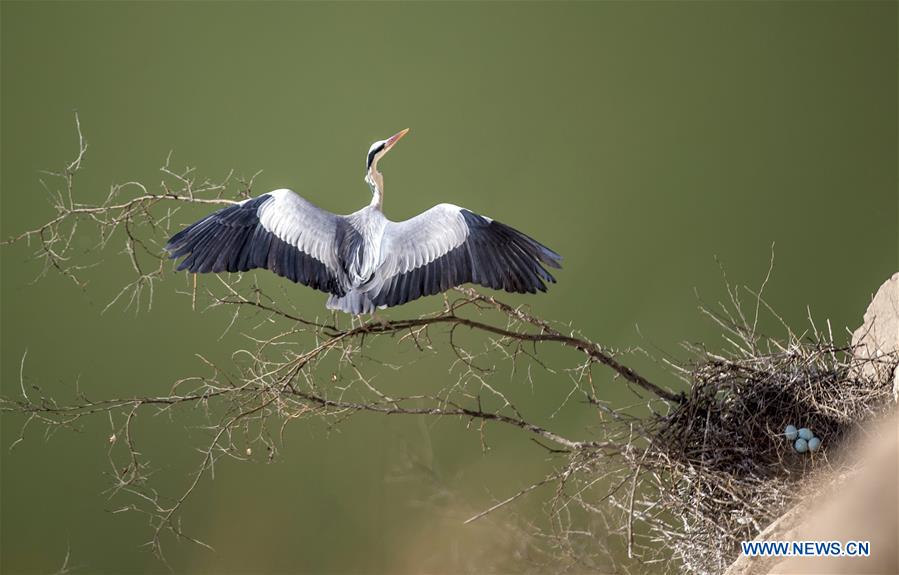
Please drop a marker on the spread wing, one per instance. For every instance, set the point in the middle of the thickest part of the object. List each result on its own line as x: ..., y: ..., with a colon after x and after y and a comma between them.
x: 448, y: 246
x: 279, y: 231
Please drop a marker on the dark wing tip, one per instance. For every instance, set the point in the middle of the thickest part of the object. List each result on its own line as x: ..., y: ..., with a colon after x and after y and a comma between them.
x: 540, y: 251
x: 549, y: 257
x: 176, y: 242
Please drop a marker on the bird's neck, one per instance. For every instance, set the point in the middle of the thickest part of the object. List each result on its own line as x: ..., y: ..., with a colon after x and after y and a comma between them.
x: 375, y: 181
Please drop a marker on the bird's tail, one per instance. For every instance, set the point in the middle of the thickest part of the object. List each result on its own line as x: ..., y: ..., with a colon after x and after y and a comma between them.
x: 353, y: 302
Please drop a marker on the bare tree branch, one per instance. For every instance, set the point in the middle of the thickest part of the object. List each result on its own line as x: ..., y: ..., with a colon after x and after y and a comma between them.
x: 295, y: 366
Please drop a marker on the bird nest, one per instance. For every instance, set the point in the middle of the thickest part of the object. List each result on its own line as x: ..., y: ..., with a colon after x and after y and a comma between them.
x: 717, y: 468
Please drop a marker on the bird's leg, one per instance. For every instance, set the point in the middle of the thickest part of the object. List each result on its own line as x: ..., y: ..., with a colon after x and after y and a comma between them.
x: 381, y: 320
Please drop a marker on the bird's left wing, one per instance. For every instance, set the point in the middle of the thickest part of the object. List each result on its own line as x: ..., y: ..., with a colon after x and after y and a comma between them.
x: 448, y: 246
x: 279, y: 231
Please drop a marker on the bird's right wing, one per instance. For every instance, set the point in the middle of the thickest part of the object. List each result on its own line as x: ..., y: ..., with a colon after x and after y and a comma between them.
x: 279, y: 231
x: 448, y: 246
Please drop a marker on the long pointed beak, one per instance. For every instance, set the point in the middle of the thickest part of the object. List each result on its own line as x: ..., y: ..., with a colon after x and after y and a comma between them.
x: 394, y: 139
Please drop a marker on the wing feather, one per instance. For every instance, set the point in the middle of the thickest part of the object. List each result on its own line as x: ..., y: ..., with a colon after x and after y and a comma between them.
x: 279, y: 231
x: 448, y: 246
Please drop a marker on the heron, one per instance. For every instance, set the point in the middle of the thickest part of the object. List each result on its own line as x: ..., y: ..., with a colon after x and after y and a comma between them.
x: 363, y: 260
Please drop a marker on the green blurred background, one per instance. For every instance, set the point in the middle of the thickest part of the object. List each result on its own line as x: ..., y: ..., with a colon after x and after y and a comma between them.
x: 638, y: 140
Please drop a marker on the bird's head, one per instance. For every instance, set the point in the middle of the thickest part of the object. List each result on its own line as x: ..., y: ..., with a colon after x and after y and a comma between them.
x: 377, y: 151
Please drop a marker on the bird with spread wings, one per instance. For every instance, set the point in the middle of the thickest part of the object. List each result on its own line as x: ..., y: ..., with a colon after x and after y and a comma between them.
x: 363, y: 260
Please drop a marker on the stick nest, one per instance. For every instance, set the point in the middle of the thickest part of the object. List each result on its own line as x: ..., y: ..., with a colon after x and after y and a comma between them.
x: 718, y: 468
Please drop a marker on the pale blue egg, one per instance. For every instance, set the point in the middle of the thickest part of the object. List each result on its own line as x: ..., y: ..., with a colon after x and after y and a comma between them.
x: 801, y: 445
x: 791, y: 433
x: 814, y: 444
x: 806, y: 433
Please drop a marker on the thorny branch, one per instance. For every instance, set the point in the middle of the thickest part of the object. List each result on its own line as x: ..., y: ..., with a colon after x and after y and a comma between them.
x: 297, y: 367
